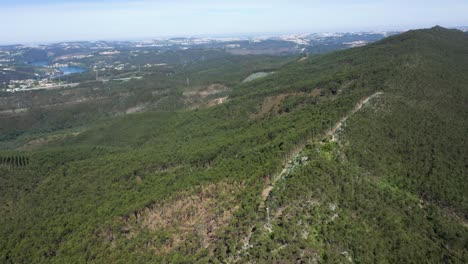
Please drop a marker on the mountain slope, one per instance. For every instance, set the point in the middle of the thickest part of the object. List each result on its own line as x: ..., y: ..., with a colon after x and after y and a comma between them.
x: 187, y: 186
x: 393, y: 189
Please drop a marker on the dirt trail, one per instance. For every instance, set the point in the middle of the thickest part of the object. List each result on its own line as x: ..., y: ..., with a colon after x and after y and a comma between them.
x: 356, y: 108
x: 267, y: 190
x: 297, y: 151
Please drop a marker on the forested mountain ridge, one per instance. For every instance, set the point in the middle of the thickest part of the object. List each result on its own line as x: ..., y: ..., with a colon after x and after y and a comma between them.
x: 186, y: 186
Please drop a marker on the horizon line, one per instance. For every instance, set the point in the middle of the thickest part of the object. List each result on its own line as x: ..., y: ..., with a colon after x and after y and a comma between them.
x: 221, y: 35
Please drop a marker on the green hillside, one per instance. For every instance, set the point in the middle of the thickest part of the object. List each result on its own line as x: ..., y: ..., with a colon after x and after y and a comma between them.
x: 355, y: 156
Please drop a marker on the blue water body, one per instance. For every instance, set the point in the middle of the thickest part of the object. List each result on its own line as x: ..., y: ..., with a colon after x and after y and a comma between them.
x: 64, y: 70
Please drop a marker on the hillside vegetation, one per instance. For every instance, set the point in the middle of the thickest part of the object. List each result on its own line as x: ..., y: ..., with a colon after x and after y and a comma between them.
x: 256, y: 178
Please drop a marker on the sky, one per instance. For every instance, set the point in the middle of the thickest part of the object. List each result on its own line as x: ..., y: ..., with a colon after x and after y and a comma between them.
x: 45, y: 21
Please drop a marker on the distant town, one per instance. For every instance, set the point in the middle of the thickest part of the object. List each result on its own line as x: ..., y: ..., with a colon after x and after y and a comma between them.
x: 29, y: 67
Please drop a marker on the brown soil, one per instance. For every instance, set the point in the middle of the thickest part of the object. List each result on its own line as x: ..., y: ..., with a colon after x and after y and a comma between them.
x: 217, y: 101
x: 273, y: 103
x: 200, y: 213
x: 136, y: 109
x: 204, y: 92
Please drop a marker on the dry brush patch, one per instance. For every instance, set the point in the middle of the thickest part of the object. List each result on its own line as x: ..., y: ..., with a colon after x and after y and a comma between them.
x: 217, y: 101
x: 205, y: 96
x: 136, y: 109
x: 206, y: 91
x: 274, y: 103
x: 197, y: 215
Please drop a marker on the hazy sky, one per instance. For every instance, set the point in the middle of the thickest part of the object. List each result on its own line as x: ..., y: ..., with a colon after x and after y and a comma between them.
x: 26, y: 21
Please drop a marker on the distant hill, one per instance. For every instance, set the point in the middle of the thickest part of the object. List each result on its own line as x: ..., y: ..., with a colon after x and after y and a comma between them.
x: 354, y: 156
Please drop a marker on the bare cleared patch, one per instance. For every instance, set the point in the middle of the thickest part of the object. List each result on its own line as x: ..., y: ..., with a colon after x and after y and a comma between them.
x: 206, y: 91
x: 303, y: 58
x: 38, y: 142
x: 217, y: 101
x: 199, y: 214
x: 14, y: 111
x: 315, y: 93
x: 136, y: 109
x: 273, y: 103
x: 203, y: 97
x: 257, y: 75
x: 266, y: 192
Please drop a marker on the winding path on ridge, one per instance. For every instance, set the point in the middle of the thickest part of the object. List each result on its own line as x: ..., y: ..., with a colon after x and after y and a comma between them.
x: 356, y: 108
x: 331, y: 132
